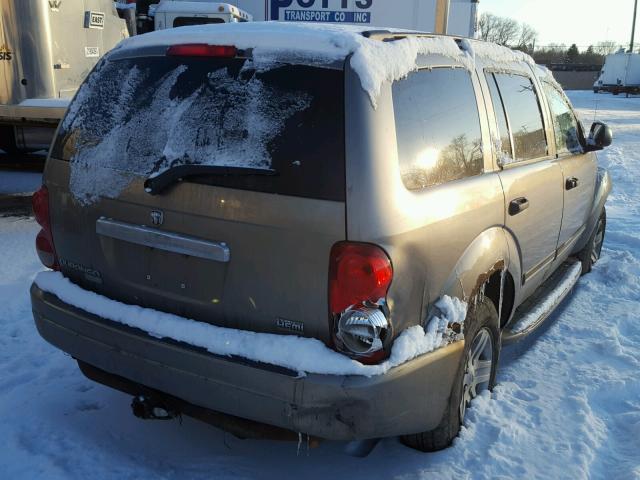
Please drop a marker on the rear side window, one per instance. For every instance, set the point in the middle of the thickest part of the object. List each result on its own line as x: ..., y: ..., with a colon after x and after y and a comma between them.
x: 565, y: 124
x: 145, y: 115
x: 437, y: 127
x: 503, y: 142
x: 520, y: 101
x: 186, y: 21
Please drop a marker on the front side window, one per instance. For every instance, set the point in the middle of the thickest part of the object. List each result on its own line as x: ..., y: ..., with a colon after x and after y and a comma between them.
x: 437, y: 127
x: 565, y: 124
x: 525, y: 119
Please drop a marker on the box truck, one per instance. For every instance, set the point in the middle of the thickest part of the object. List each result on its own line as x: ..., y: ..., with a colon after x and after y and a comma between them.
x: 47, y: 48
x: 620, y: 74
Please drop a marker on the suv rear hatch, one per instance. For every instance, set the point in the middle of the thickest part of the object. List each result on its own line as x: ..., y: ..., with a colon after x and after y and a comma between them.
x: 241, y: 235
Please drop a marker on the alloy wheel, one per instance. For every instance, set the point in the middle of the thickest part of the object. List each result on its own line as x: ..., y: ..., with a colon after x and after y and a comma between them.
x: 477, y: 368
x: 597, y: 242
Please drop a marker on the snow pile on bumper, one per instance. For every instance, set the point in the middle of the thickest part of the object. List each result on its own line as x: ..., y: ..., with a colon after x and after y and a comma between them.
x: 304, y: 355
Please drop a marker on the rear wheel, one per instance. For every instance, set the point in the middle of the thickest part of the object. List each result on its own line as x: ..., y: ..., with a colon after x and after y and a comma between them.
x: 590, y: 254
x: 477, y: 372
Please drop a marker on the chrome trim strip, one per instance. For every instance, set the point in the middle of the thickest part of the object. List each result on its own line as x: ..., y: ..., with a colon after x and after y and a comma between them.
x: 539, y: 267
x: 570, y: 241
x: 167, y: 241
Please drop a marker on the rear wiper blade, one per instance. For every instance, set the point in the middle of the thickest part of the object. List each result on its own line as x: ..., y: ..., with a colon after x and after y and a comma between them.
x: 155, y: 185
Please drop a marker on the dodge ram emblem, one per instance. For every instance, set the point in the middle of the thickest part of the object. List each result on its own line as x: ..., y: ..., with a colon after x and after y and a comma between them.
x: 157, y: 217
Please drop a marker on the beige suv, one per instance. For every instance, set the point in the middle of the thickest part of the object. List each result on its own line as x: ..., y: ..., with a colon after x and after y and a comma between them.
x: 312, y: 237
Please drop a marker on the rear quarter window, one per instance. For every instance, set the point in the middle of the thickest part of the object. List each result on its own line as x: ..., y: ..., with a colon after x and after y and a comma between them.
x: 437, y: 127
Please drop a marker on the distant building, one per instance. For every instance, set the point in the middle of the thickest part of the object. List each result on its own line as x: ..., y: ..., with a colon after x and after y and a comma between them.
x: 575, y: 76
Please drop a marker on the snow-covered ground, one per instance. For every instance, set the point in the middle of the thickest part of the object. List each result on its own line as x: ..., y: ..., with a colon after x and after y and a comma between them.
x: 567, y: 404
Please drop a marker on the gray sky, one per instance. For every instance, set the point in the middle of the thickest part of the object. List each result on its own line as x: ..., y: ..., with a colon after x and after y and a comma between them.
x: 583, y: 22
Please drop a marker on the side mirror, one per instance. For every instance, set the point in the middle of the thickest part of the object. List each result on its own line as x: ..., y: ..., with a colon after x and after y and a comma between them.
x: 600, y: 136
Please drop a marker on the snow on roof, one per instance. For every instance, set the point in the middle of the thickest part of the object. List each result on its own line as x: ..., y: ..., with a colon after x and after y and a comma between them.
x: 375, y: 61
x: 493, y: 53
x: 545, y: 74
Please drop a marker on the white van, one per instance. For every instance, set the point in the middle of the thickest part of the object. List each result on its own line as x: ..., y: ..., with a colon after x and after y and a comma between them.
x: 620, y: 74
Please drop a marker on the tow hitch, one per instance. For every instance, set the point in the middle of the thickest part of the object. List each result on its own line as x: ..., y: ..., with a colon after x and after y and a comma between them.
x: 150, y: 408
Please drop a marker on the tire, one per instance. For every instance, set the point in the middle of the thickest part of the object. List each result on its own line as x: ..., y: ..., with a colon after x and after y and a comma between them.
x: 590, y: 254
x: 481, y: 321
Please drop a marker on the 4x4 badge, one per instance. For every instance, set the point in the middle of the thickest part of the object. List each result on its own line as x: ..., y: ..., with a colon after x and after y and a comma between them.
x: 157, y: 217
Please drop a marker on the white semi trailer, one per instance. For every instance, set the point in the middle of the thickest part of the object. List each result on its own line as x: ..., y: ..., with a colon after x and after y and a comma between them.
x: 455, y: 17
x: 47, y: 48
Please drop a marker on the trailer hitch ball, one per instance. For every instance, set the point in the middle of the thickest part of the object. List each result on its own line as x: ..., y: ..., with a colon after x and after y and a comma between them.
x: 148, y: 408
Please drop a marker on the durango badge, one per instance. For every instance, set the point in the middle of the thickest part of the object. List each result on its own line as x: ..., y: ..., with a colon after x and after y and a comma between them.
x: 5, y: 53
x: 157, y: 217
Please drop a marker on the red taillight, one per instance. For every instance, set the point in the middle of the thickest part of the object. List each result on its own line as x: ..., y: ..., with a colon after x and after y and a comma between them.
x: 358, y: 272
x: 44, y: 240
x: 202, y: 50
x: 45, y: 250
x: 40, y: 205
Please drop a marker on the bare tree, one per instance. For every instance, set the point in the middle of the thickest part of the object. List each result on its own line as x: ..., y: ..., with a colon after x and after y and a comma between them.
x: 553, y: 53
x: 487, y: 25
x: 528, y: 37
x: 506, y: 31
x: 606, y: 48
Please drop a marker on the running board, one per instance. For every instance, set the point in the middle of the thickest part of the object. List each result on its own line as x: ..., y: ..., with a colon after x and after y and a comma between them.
x: 537, y: 308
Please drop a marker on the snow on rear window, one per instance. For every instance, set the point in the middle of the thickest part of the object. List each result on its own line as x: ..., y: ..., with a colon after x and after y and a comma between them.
x: 154, y: 116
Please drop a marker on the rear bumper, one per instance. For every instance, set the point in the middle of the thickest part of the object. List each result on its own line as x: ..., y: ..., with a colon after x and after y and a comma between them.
x: 408, y: 399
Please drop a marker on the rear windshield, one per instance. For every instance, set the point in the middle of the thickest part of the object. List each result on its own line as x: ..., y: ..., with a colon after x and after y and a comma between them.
x: 146, y: 115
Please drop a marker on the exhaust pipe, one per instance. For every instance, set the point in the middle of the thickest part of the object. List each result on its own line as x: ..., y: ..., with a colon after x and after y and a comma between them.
x: 150, y: 408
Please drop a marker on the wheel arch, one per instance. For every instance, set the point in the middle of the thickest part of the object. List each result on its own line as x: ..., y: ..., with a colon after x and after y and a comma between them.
x: 602, y: 190
x: 489, y: 266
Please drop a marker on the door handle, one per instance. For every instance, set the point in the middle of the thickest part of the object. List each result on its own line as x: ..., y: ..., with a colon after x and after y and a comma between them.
x: 572, y: 182
x: 518, y: 205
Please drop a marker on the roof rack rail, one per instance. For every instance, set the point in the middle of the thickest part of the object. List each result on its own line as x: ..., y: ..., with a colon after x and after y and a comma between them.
x: 376, y: 33
x: 387, y: 35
